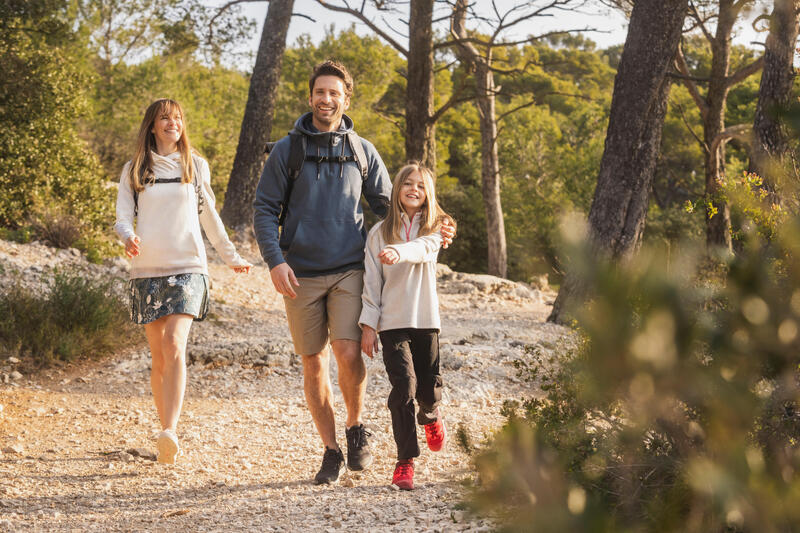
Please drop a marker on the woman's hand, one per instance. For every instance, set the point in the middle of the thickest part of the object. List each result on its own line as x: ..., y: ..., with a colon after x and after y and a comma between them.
x: 132, y: 246
x: 369, y: 340
x: 389, y: 256
x: 242, y: 269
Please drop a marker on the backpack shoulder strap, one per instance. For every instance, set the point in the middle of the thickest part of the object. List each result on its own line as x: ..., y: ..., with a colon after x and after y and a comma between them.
x: 358, y: 152
x: 198, y: 184
x: 297, y: 155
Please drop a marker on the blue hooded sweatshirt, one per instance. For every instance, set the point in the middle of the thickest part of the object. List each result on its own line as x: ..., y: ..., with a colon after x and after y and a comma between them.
x: 323, y: 230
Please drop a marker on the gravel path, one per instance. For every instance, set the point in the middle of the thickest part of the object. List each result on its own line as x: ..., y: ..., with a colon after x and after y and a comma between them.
x: 76, y: 442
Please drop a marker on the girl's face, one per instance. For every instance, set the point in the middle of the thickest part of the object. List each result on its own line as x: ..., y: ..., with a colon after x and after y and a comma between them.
x: 412, y: 193
x: 168, y: 128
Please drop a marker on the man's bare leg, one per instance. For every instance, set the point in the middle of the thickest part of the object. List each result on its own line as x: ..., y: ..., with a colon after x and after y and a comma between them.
x: 319, y: 395
x: 352, y: 378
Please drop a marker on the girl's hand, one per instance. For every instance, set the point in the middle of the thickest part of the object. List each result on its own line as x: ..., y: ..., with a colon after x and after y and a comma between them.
x: 448, y: 231
x: 369, y: 341
x: 242, y: 269
x: 132, y: 246
x: 388, y: 256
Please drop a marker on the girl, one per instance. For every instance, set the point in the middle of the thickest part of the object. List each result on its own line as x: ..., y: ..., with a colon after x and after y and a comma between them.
x: 399, y: 301
x: 166, y: 187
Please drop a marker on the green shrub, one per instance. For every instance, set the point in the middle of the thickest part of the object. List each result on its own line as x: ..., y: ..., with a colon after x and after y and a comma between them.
x: 70, y: 316
x: 678, y: 411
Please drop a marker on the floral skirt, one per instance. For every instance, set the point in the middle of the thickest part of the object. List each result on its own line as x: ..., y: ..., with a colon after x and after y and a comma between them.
x: 152, y: 298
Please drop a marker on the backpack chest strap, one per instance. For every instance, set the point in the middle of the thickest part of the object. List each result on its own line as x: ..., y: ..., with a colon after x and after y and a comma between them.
x: 330, y: 158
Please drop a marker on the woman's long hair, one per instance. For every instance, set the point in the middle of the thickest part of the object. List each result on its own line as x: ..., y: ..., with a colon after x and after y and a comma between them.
x: 432, y: 212
x: 141, y: 170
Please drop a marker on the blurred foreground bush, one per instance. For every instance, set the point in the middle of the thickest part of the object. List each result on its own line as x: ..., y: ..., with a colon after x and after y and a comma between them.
x: 69, y: 316
x: 678, y: 411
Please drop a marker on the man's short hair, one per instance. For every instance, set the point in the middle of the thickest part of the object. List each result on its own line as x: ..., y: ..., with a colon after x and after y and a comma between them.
x: 332, y: 68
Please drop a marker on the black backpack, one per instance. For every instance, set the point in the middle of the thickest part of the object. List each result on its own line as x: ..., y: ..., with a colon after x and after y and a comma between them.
x: 297, y: 156
x: 196, y: 183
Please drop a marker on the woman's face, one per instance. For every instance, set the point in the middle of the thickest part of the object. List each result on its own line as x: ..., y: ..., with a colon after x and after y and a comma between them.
x: 412, y: 192
x: 168, y: 128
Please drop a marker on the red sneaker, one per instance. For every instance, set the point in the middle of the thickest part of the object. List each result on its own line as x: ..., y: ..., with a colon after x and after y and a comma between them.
x: 403, y: 477
x: 436, y: 435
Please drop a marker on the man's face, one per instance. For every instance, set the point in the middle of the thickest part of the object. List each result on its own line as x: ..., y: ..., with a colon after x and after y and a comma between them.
x: 328, y: 102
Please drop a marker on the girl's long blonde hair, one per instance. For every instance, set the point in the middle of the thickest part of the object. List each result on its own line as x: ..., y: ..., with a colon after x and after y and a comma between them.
x: 141, y: 170
x: 432, y: 213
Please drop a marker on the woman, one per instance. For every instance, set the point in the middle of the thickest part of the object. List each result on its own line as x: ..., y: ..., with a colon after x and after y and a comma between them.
x: 166, y: 188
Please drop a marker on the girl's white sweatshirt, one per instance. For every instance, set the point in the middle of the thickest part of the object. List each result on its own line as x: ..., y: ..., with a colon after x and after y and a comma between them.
x: 402, y: 295
x: 167, y: 222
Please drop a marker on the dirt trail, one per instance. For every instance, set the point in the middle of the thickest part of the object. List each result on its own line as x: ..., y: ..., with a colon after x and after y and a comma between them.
x: 250, y: 448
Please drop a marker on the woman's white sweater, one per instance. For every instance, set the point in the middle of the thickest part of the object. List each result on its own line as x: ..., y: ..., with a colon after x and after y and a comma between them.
x: 167, y: 222
x: 402, y: 295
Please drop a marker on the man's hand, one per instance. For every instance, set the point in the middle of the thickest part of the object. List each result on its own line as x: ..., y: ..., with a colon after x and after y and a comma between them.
x: 448, y: 231
x: 132, y: 246
x: 369, y: 340
x: 283, y: 279
x: 389, y: 256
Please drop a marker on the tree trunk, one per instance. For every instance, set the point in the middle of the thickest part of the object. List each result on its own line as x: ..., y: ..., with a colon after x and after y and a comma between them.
x: 718, y: 233
x: 420, y: 126
x: 490, y: 163
x: 638, y: 108
x: 237, y: 213
x: 769, y: 137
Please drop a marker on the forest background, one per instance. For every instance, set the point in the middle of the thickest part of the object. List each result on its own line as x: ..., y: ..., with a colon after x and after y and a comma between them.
x: 79, y: 74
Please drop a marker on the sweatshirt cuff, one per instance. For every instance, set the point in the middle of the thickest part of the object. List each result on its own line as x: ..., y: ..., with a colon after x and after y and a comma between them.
x: 124, y: 231
x: 274, y: 260
x: 369, y: 317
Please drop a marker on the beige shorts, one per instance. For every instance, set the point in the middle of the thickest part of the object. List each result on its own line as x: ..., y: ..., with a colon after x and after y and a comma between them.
x: 325, y: 303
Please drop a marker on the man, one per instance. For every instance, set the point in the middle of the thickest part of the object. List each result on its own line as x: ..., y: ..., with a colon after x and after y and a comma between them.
x: 316, y: 260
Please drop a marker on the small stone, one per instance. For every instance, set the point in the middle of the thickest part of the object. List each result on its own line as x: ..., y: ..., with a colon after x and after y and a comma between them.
x: 14, y: 449
x: 142, y: 452
x: 125, y: 457
x: 13, y: 360
x: 15, y: 375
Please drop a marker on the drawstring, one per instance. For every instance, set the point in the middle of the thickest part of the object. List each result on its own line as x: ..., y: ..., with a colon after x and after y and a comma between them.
x: 341, y: 161
x: 317, y: 160
x: 408, y: 229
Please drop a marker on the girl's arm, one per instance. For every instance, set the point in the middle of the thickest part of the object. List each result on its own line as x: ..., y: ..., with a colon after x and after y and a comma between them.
x: 373, y: 283
x: 125, y: 206
x: 423, y: 249
x: 211, y: 222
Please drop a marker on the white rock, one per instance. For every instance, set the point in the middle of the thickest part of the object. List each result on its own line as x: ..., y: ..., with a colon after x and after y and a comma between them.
x: 13, y: 360
x: 14, y: 449
x: 15, y: 375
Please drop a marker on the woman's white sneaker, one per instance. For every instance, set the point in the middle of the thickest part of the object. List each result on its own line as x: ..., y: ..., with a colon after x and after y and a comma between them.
x: 168, y: 448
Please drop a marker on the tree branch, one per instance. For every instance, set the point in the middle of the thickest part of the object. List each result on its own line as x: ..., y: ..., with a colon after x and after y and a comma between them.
x: 697, y: 138
x: 741, y: 132
x: 745, y: 72
x: 683, y: 68
x: 700, y: 22
x: 359, y: 14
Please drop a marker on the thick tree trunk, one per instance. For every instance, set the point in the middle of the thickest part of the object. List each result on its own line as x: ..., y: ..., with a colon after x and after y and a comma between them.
x: 769, y: 137
x: 718, y: 233
x: 420, y: 126
x: 237, y: 213
x: 638, y: 107
x: 490, y: 172
x: 490, y: 162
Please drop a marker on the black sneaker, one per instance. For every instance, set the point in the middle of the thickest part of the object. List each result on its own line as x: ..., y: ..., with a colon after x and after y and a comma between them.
x: 358, y: 456
x: 332, y: 466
